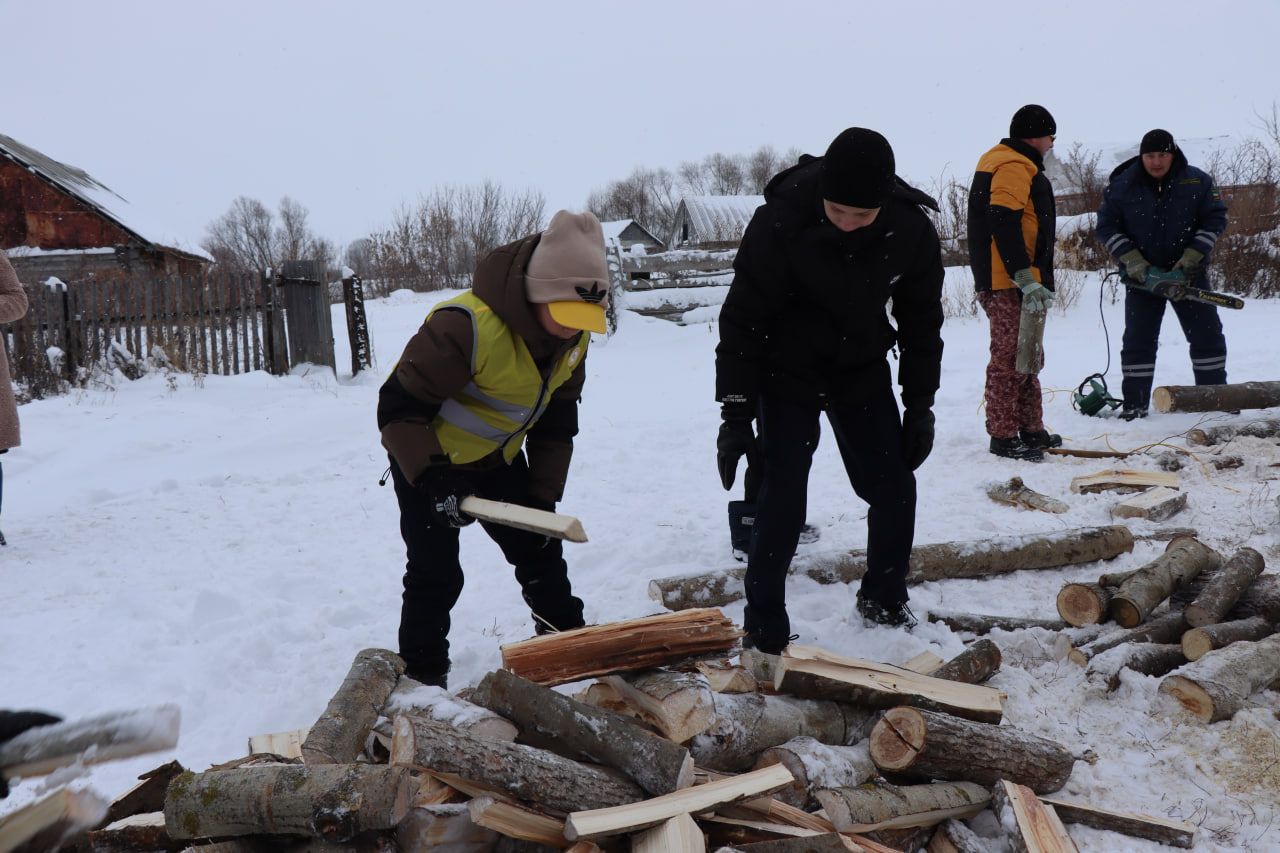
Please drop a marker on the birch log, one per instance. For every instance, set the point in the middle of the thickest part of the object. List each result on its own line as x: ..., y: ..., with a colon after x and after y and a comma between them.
x: 586, y: 733
x: 866, y: 809
x: 436, y: 703
x: 121, y: 734
x: 339, y: 735
x: 1145, y: 658
x: 1181, y: 562
x: 1017, y: 493
x: 1216, y: 398
x: 1262, y: 428
x: 744, y: 725
x: 1226, y: 588
x: 1219, y: 684
x: 1261, y: 599
x: 535, y: 776
x: 939, y: 746
x: 335, y: 802
x: 980, y: 623
x: 817, y: 765
x: 1166, y: 628
x: 1198, y: 642
x: 954, y: 837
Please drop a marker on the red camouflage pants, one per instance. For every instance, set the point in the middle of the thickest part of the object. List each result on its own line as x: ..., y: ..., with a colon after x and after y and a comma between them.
x: 1012, y: 398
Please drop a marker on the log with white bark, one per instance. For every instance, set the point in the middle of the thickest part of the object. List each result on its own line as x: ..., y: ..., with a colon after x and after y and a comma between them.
x: 981, y: 623
x: 1155, y: 504
x: 428, y: 702
x: 1226, y: 587
x: 599, y: 823
x: 1033, y: 827
x: 1219, y: 684
x: 1122, y: 480
x: 1017, y: 493
x: 1145, y: 658
x: 535, y: 776
x: 1181, y: 562
x: 1166, y: 628
x: 331, y: 801
x: 122, y: 734
x: 939, y: 746
x: 516, y: 821
x: 49, y: 822
x: 814, y: 673
x: 656, y: 764
x: 1216, y: 398
x: 744, y: 725
x: 942, y: 561
x: 955, y: 837
x: 1170, y: 461
x: 679, y: 704
x: 627, y: 646
x: 1264, y: 428
x: 817, y: 765
x: 1262, y: 598
x: 1198, y: 642
x: 339, y: 735
x: 1174, y: 833
x: 679, y: 834
x: 866, y: 808
x: 979, y: 661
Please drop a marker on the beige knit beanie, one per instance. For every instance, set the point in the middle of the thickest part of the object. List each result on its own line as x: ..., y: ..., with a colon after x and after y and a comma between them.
x: 567, y: 271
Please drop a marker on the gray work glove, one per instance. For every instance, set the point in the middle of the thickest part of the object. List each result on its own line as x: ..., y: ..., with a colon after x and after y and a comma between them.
x: 1135, y: 266
x: 1036, y: 298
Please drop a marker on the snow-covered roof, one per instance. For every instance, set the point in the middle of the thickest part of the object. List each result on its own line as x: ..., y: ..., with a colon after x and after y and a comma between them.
x: 613, y: 230
x: 83, y: 186
x: 1199, y: 150
x: 720, y: 217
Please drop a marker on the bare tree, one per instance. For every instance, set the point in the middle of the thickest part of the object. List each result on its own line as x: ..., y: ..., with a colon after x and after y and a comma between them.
x: 249, y: 237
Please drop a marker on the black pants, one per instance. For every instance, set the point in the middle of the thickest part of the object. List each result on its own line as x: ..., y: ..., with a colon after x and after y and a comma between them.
x: 869, y: 437
x: 1143, y: 314
x: 433, y: 574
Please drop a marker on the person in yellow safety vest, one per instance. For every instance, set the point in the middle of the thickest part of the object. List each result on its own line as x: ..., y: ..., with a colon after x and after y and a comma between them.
x: 484, y: 401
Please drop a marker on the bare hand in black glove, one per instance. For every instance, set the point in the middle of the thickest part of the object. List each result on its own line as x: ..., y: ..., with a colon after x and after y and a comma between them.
x: 917, y: 435
x: 14, y: 723
x: 445, y: 489
x: 736, y: 440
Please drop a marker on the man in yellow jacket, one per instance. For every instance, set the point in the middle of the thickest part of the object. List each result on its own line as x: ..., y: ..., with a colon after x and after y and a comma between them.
x: 484, y: 402
x: 1011, y: 232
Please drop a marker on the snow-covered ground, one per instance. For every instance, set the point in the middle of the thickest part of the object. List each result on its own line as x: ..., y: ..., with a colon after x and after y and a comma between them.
x: 223, y: 544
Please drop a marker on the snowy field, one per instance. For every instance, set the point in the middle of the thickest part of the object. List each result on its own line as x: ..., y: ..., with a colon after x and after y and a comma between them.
x: 223, y: 544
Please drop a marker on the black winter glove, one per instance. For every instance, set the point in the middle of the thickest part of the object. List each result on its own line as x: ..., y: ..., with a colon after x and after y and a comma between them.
x: 736, y: 440
x: 14, y: 723
x: 917, y: 434
x: 444, y: 490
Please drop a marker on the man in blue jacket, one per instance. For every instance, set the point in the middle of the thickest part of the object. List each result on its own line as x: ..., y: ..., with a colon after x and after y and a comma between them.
x: 1160, y: 214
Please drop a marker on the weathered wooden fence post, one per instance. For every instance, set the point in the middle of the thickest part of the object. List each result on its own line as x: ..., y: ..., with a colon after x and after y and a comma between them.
x: 308, y: 322
x: 357, y: 324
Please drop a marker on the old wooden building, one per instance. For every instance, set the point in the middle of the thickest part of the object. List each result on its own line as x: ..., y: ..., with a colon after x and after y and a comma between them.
x: 712, y: 221
x: 627, y: 234
x: 57, y: 220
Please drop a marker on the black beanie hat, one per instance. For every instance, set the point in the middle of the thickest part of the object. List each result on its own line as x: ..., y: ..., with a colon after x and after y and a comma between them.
x: 1032, y: 122
x: 1157, y: 140
x: 858, y: 169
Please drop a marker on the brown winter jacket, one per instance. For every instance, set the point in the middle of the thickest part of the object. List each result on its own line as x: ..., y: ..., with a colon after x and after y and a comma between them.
x: 436, y: 365
x: 13, y: 305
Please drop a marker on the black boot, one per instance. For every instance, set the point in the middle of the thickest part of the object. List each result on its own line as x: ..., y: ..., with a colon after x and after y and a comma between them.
x: 1132, y: 412
x: 893, y: 615
x: 1016, y: 448
x: 1040, y: 438
x: 432, y: 676
x: 742, y: 516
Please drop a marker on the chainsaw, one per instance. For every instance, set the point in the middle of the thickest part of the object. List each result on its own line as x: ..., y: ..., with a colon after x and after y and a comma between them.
x: 1173, y: 286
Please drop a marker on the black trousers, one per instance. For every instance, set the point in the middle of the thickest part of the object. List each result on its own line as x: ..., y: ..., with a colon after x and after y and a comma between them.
x: 1143, y: 313
x: 433, y: 574
x: 869, y: 437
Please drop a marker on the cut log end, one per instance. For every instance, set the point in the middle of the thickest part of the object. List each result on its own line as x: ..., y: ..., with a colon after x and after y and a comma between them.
x: 898, y: 738
x: 1080, y: 605
x: 1196, y: 643
x: 1125, y: 613
x: 1161, y: 399
x: 1190, y: 696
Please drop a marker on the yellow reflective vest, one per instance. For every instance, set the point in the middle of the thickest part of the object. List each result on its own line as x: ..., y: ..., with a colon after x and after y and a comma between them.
x: 507, y: 393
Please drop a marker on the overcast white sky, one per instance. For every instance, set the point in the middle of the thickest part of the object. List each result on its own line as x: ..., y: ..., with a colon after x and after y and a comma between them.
x: 352, y: 108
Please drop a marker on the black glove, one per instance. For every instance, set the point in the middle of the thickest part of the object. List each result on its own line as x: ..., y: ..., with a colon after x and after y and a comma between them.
x: 917, y: 434
x: 14, y: 723
x: 444, y: 490
x: 736, y: 440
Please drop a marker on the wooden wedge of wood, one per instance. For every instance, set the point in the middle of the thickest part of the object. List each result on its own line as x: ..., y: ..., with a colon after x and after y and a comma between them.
x: 1156, y: 504
x: 555, y: 524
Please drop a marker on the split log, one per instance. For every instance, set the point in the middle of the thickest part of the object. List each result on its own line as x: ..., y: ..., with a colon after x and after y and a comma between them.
x: 1121, y: 480
x: 745, y: 725
x: 827, y: 842
x: 599, y: 823
x: 679, y: 834
x: 678, y: 704
x: 979, y: 661
x: 1216, y: 398
x: 538, y: 521
x: 146, y: 796
x: 627, y: 646
x: 1155, y: 504
x: 867, y: 809
x: 516, y: 821
x: 1166, y: 628
x: 1198, y: 642
x: 1225, y: 589
x: 811, y: 672
x: 535, y: 776
x: 335, y: 802
x: 1033, y: 826
x: 942, y: 561
x: 938, y: 746
x: 924, y: 663
x: 817, y: 765
x: 978, y: 623
x: 1145, y: 658
x: 283, y: 744
x: 108, y: 737
x: 339, y: 735
x: 954, y: 837
x: 133, y: 833
x: 725, y: 678
x: 1265, y: 428
x: 47, y: 823
x: 762, y: 665
x: 1181, y: 562
x: 1173, y: 833
x: 722, y: 828
x: 656, y: 764
x: 1217, y: 685
x: 1017, y: 493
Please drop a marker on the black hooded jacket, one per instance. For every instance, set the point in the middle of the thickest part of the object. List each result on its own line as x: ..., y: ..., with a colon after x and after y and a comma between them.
x: 805, y: 316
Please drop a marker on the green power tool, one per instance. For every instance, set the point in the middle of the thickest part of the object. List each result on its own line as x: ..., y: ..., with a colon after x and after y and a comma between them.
x: 1097, y: 398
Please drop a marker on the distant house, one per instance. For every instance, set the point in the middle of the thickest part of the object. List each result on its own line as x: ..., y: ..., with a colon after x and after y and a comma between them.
x: 627, y: 234
x: 57, y: 220
x: 712, y: 221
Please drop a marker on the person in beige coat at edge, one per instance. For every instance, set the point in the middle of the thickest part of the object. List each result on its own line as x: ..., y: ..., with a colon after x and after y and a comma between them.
x: 13, y: 306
